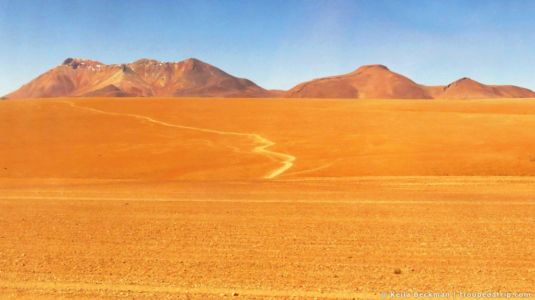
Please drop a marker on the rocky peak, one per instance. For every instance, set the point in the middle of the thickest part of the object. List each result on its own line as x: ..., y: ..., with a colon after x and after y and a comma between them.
x: 366, y: 68
x: 80, y: 63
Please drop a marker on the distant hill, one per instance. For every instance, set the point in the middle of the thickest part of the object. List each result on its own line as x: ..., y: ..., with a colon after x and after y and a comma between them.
x: 378, y: 82
x: 367, y: 82
x: 466, y: 88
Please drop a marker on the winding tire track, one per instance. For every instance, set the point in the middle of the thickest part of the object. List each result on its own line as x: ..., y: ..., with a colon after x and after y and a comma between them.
x: 286, y: 160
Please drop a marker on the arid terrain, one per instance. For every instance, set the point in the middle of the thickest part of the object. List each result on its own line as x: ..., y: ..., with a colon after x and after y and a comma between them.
x: 265, y: 198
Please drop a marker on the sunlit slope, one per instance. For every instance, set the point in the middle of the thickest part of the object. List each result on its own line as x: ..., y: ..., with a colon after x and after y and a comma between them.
x: 56, y: 140
x: 81, y: 138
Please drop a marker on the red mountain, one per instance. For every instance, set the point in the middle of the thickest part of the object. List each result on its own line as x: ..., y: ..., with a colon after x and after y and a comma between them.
x: 191, y: 77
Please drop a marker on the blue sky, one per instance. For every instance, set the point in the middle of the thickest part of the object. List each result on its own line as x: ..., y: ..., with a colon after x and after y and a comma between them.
x: 276, y: 43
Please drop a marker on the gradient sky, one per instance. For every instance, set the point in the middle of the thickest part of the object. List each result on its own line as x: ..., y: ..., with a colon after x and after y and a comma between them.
x: 276, y: 43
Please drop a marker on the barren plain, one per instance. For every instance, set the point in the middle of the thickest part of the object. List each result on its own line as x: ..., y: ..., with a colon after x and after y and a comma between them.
x: 265, y: 198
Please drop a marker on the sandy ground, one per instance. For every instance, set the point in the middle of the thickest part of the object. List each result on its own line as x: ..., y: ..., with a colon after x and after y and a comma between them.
x: 159, y: 198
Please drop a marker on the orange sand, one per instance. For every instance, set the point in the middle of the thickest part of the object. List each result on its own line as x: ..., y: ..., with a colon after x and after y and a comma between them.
x: 156, y: 198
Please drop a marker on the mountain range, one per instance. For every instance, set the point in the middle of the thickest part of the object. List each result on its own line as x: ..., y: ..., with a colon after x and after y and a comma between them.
x: 77, y: 77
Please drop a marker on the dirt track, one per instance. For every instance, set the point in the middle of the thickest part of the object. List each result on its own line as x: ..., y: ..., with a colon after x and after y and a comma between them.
x: 285, y: 159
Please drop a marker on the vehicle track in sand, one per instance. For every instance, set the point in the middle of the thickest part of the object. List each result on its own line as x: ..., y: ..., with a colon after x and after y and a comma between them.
x: 286, y: 160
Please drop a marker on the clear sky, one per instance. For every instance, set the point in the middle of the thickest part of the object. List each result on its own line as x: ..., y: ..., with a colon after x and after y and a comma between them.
x: 276, y: 43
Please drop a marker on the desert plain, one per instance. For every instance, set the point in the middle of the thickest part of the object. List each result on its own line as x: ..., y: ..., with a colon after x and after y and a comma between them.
x: 265, y: 198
